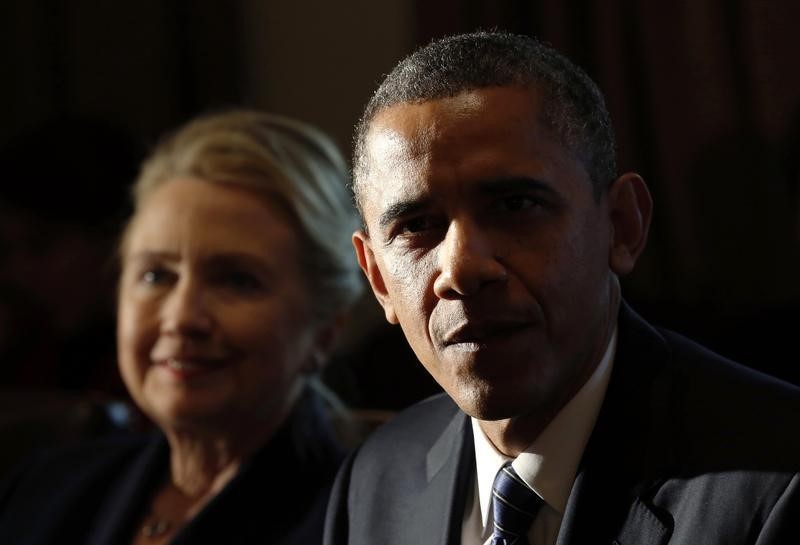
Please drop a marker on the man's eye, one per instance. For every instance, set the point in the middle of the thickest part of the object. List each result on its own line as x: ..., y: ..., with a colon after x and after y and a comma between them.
x: 515, y: 203
x: 415, y: 225
x: 418, y: 225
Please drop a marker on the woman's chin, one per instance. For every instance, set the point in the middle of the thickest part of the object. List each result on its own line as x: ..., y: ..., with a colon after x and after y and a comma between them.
x: 196, y: 412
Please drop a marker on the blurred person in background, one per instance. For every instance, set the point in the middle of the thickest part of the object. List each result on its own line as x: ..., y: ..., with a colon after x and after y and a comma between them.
x: 61, y: 201
x: 236, y: 274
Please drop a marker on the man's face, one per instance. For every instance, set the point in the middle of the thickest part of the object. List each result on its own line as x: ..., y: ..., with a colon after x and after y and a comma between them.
x: 487, y: 246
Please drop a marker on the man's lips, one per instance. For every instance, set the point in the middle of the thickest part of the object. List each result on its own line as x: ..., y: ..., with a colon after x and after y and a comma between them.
x: 484, y: 331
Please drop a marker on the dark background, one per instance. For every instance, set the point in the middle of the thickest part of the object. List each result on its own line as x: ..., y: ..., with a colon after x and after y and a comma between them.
x: 705, y: 95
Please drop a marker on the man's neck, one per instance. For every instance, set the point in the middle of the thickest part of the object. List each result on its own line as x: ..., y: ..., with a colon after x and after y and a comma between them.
x: 513, y: 435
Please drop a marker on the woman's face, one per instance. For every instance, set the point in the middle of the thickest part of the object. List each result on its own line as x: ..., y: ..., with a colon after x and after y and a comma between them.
x: 215, y: 325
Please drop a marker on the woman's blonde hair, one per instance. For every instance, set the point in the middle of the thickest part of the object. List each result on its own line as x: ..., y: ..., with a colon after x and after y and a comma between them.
x: 289, y: 162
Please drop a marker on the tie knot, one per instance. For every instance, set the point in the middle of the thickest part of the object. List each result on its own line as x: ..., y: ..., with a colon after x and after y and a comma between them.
x: 514, y: 506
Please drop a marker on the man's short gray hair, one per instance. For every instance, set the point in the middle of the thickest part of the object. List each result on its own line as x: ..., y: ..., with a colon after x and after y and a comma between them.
x: 573, y: 106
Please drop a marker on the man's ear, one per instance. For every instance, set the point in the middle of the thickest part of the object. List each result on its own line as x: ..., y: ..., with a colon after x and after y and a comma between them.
x: 631, y: 209
x: 368, y: 264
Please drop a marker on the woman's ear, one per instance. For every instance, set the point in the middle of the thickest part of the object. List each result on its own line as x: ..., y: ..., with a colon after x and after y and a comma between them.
x: 325, y: 341
x: 631, y: 209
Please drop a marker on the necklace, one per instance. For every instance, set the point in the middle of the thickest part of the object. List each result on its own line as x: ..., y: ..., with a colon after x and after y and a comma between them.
x: 155, y: 527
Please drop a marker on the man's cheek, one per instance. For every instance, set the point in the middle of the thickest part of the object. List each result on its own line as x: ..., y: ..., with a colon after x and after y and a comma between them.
x: 411, y: 275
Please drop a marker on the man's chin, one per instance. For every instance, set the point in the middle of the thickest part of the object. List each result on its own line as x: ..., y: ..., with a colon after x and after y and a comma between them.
x: 489, y: 404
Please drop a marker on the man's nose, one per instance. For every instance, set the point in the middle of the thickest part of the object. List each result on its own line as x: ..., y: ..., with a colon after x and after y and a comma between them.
x: 467, y: 262
x: 186, y: 310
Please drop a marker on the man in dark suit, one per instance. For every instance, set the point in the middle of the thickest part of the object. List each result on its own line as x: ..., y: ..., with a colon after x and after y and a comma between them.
x: 495, y: 229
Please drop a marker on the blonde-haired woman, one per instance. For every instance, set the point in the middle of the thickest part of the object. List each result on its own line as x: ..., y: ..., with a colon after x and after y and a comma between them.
x: 236, y: 274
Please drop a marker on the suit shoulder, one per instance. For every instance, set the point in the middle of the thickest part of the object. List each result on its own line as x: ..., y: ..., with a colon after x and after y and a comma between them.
x: 732, y: 410
x: 725, y: 379
x: 59, y: 470
x: 385, y: 485
x: 99, y: 450
x: 412, y: 432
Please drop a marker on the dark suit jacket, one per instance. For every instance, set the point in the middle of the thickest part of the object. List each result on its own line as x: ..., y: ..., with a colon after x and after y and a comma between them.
x: 97, y: 493
x: 689, y: 448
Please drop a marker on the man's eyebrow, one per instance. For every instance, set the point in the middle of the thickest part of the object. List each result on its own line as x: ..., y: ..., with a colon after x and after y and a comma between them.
x: 499, y: 186
x: 399, y: 210
x: 503, y: 186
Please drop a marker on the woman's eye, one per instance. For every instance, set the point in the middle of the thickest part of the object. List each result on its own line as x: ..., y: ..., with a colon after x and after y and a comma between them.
x: 241, y: 281
x: 156, y: 276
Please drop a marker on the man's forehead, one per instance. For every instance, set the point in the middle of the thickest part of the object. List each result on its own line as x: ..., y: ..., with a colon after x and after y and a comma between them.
x: 396, y: 145
x: 487, y: 133
x: 394, y: 171
x: 393, y: 140
x: 419, y: 120
x: 401, y: 132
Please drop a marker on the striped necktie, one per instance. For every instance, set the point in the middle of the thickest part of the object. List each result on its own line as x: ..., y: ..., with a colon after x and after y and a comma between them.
x: 514, y: 506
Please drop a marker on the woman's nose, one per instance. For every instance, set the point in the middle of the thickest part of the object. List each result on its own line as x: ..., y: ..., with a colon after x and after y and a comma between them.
x: 467, y: 262
x: 186, y: 310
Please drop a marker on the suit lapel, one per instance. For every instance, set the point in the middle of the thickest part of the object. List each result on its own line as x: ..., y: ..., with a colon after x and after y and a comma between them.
x: 630, y: 448
x: 449, y: 468
x: 584, y: 523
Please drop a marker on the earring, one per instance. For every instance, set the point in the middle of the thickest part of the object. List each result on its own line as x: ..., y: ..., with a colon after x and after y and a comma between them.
x: 316, y: 363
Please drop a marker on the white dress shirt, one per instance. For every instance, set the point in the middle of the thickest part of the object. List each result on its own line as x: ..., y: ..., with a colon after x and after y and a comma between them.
x: 548, y: 465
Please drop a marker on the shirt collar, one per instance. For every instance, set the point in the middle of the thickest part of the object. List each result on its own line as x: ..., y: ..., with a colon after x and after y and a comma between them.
x: 549, y: 464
